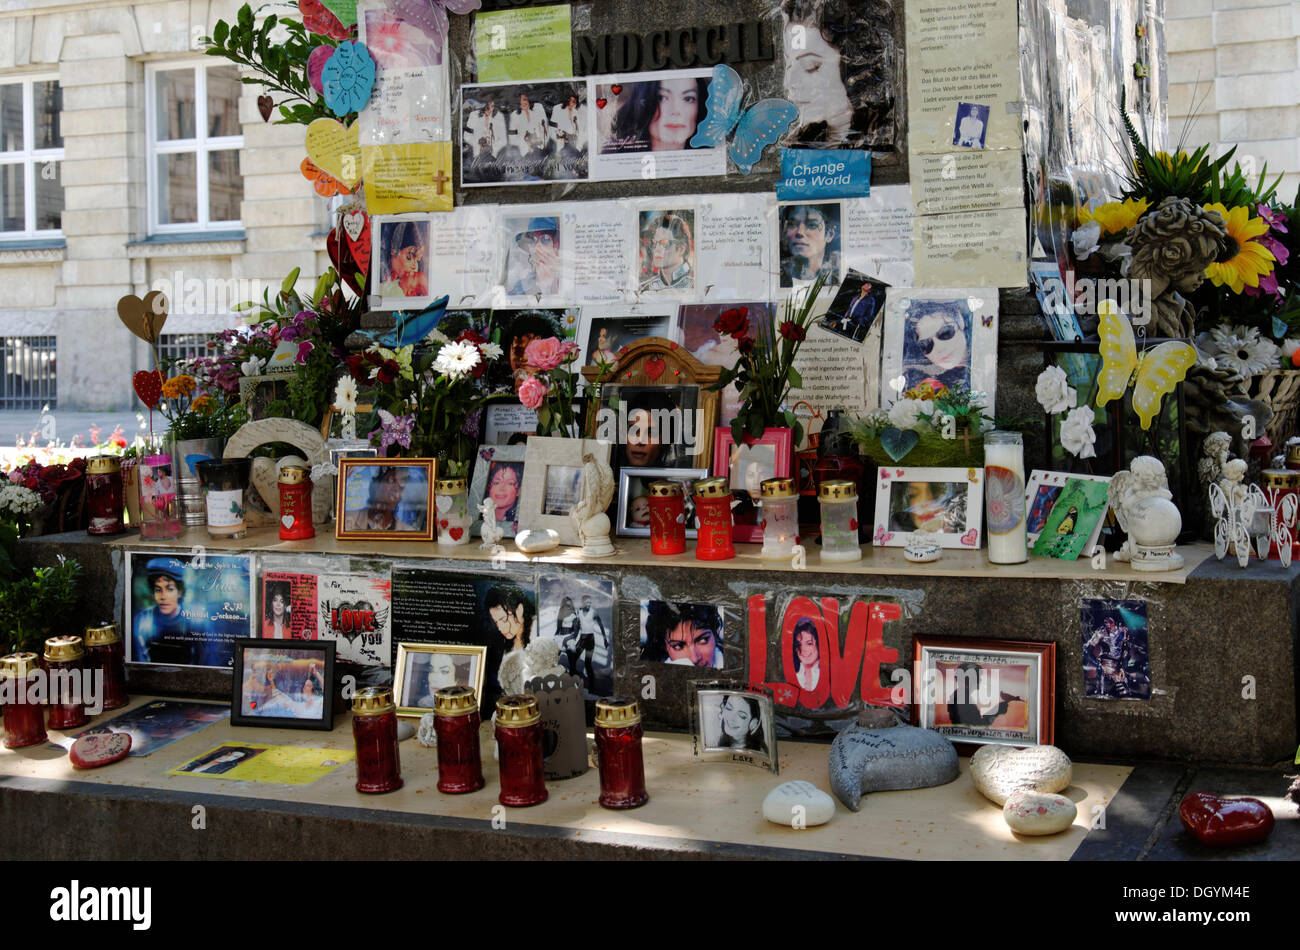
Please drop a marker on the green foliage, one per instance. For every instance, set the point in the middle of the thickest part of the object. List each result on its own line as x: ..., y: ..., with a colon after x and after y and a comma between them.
x: 220, y: 421
x: 39, y: 605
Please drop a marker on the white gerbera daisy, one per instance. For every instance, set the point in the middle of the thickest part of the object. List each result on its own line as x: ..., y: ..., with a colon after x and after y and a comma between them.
x: 1243, y: 350
x: 457, y: 360
x: 345, y: 395
x: 490, y: 350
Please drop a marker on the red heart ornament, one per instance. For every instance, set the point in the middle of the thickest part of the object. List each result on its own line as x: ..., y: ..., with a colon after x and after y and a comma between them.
x: 763, y: 523
x: 341, y: 258
x: 616, y: 89
x: 853, y: 524
x: 356, y: 230
x: 654, y: 368
x: 1223, y: 822
x: 148, y: 385
x: 443, y: 524
x: 456, y: 533
x: 264, y: 106
x: 602, y: 102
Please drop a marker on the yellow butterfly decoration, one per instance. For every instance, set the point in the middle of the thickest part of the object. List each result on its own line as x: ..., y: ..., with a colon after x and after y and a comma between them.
x: 1154, y: 374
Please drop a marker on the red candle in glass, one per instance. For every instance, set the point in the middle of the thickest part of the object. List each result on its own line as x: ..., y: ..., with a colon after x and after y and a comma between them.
x: 105, y: 652
x: 618, y: 748
x: 456, y: 721
x: 295, y: 504
x: 24, y: 721
x: 667, y: 518
x: 374, y: 729
x: 64, y: 655
x: 519, y: 741
x: 104, y: 495
x: 1279, y: 484
x: 713, y: 511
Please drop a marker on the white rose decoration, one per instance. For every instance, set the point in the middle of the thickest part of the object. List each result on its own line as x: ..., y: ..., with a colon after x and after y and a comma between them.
x: 1086, y: 239
x: 1077, y: 436
x: 1053, y: 393
x: 905, y: 413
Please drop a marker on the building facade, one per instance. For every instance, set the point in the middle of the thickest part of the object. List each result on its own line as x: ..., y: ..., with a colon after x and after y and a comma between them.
x: 130, y: 161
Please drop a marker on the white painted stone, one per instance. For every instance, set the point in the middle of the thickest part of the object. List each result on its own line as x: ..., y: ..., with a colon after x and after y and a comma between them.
x: 535, y: 541
x: 922, y: 551
x: 998, y: 770
x: 1037, y: 813
x: 798, y: 803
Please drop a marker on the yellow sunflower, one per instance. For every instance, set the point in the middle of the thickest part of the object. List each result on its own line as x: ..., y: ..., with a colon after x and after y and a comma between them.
x: 1116, y: 217
x: 1250, y: 260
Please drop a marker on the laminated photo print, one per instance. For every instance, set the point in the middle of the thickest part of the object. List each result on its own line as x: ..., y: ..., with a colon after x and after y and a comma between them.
x: 666, y: 263
x: 736, y: 724
x: 946, y: 338
x: 810, y: 239
x: 516, y: 133
x: 1041, y: 493
x: 643, y: 124
x: 187, y: 609
x: 577, y: 611
x: 400, y: 262
x: 858, y: 303
x: 1116, y: 661
x: 513, y: 330
x: 683, y: 634
x: 606, y: 330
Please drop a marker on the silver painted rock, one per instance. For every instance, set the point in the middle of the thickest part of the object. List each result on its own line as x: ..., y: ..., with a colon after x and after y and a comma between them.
x: 999, y: 770
x: 798, y: 804
x: 1037, y: 813
x: 427, y: 735
x: 888, y: 758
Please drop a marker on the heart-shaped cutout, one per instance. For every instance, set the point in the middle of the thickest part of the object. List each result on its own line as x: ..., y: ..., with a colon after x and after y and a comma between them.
x: 148, y: 384
x: 144, y: 318
x: 316, y: 61
x: 969, y: 538
x: 92, y: 751
x: 602, y: 102
x: 616, y: 89
x: 853, y: 524
x: 654, y: 367
x: 898, y: 442
x: 443, y: 524
x: 1221, y: 822
x: 353, y: 223
x: 998, y: 770
x: 457, y: 533
x: 358, y: 247
x: 896, y: 384
x: 264, y: 106
x: 335, y: 149
x: 287, y: 521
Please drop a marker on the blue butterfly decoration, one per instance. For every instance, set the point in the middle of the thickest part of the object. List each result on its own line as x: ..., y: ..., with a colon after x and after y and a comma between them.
x: 761, y: 126
x: 412, y: 327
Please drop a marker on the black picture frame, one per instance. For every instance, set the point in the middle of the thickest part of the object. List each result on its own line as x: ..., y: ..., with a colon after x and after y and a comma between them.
x: 239, y: 702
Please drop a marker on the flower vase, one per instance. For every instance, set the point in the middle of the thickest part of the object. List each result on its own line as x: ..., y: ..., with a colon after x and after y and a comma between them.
x: 131, y: 490
x: 186, y: 453
x: 159, y: 519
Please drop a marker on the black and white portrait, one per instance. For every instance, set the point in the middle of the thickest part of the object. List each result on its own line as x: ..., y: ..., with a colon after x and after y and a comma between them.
x: 523, y: 133
x: 971, y: 125
x: 578, y: 612
x: 735, y: 721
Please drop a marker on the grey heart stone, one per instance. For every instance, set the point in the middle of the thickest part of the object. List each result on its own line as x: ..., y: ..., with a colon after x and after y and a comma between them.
x: 883, y: 760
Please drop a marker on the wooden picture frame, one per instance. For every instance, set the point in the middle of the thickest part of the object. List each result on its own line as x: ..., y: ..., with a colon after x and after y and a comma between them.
x: 407, y: 656
x: 293, y: 680
x: 746, y: 466
x: 984, y: 673
x: 657, y: 361
x: 953, y: 516
x: 553, y: 483
x: 420, y: 513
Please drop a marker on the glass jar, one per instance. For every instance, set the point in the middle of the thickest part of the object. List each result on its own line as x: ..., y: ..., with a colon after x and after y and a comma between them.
x: 780, y: 518
x: 24, y: 722
x: 839, y: 504
x: 104, y: 495
x: 64, y: 661
x: 618, y: 751
x: 456, y: 722
x: 519, y: 742
x: 454, y: 521
x: 295, y: 504
x: 1293, y: 454
x: 713, y: 511
x: 667, y: 517
x: 1280, y: 484
x: 1004, y: 498
x: 105, y: 653
x: 224, y: 482
x: 156, y: 479
x: 374, y: 730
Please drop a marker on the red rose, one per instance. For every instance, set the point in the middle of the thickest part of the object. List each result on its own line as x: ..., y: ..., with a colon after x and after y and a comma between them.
x: 746, y: 346
x: 388, y: 371
x: 733, y: 322
x: 32, y: 482
x: 471, y: 336
x: 792, y: 331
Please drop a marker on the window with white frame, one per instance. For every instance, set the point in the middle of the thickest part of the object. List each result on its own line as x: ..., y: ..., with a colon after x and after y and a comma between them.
x: 194, y: 142
x: 31, y: 153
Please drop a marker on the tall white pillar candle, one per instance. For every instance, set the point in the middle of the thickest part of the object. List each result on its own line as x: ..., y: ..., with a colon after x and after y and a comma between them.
x: 1004, y: 497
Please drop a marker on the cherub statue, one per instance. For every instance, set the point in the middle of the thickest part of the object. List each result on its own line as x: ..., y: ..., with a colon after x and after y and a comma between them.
x: 1172, y: 245
x: 539, y: 658
x: 491, y: 534
x: 1216, y: 450
x: 588, y: 515
x: 1144, y: 508
x: 1232, y: 481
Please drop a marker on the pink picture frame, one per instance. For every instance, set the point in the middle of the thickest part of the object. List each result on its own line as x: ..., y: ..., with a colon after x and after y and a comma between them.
x: 772, y: 456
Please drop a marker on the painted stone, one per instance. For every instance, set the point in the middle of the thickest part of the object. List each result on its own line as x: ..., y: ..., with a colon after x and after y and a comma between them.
x: 998, y: 770
x: 1036, y: 813
x: 798, y: 802
x: 427, y: 736
x: 922, y: 551
x: 90, y: 752
x: 405, y: 729
x: 880, y: 758
x: 535, y: 541
x: 1223, y: 822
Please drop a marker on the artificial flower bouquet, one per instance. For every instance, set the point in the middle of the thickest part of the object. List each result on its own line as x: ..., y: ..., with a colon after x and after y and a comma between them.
x: 928, y: 426
x: 550, y: 385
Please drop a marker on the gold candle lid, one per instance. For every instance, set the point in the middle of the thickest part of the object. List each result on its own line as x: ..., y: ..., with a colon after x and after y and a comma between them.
x: 455, y: 701
x: 102, y: 633
x: 837, y: 490
x: 64, y: 648
x: 518, y: 710
x: 294, y: 475
x: 1281, y: 478
x: 18, y: 665
x: 615, y: 711
x: 778, y: 488
x: 103, y: 465
x: 451, y: 486
x: 716, y: 487
x: 666, y: 489
x: 1292, y: 450
x: 373, y: 701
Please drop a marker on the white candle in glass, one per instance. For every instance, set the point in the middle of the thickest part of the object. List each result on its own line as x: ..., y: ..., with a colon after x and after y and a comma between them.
x: 1004, y: 497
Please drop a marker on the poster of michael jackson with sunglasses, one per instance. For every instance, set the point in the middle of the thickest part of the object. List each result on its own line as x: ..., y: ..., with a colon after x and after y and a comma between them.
x: 937, y: 342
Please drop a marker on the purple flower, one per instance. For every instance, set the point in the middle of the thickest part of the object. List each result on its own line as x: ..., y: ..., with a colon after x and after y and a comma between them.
x: 1277, y: 248
x: 304, y: 348
x: 1275, y: 219
x: 395, y: 430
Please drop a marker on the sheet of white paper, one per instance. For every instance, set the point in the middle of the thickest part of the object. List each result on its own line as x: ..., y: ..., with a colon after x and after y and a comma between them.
x: 732, y: 246
x: 410, y: 101
x: 878, y: 234
x: 463, y: 260
x: 971, y: 247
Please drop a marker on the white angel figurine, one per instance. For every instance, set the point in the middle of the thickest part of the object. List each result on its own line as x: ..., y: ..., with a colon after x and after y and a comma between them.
x: 588, y: 515
x: 1144, y: 508
x: 490, y: 533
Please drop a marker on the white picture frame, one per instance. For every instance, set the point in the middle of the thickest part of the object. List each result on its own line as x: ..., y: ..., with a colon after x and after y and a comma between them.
x: 1040, y: 480
x: 553, y: 483
x: 687, y: 476
x: 901, y: 513
x: 971, y: 313
x: 484, y: 459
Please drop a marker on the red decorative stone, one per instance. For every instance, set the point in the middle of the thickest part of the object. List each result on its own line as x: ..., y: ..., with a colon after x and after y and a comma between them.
x: 90, y: 752
x: 1223, y: 822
